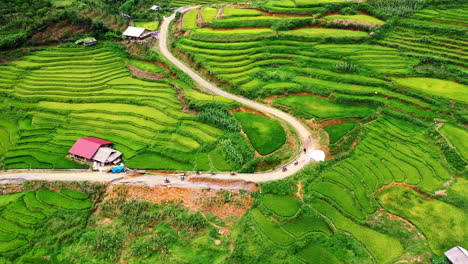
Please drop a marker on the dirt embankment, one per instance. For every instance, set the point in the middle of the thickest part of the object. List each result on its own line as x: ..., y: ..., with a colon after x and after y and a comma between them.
x: 144, y: 74
x: 219, y: 15
x: 221, y: 203
x: 247, y: 110
x: 183, y: 101
x: 407, y: 186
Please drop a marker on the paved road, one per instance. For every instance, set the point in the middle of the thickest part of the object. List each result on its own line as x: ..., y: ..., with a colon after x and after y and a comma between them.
x: 307, y: 141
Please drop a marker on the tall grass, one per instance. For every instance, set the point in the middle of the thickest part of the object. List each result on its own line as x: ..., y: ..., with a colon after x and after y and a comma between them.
x: 400, y: 8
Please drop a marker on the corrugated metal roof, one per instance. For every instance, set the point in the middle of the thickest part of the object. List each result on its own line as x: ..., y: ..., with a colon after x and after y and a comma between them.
x: 133, y: 32
x: 457, y: 255
x: 87, y: 147
x: 106, y: 155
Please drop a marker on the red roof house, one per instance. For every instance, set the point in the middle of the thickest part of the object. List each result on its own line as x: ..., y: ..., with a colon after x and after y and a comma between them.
x: 87, y: 147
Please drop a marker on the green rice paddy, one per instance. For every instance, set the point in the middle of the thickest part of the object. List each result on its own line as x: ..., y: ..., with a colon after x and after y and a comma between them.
x: 437, y: 87
x: 266, y: 135
x: 150, y: 25
x: 322, y: 33
x: 432, y: 217
x: 359, y: 18
x: 337, y: 132
x: 146, y: 66
x: 284, y: 206
x: 458, y: 137
x: 310, y: 106
x: 20, y: 213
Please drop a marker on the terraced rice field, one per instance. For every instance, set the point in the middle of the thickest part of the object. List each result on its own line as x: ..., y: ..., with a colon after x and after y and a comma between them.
x: 423, y: 42
x: 437, y: 87
x: 431, y: 216
x: 453, y: 17
x: 58, y: 95
x: 22, y: 212
x: 356, y: 18
x: 256, y: 65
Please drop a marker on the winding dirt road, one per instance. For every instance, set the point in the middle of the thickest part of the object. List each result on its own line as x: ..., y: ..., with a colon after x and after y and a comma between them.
x: 307, y: 141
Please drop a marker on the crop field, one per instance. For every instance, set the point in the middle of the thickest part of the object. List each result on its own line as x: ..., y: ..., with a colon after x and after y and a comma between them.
x: 323, y: 33
x: 432, y: 217
x: 310, y: 106
x: 255, y: 65
x: 265, y: 134
x: 68, y: 93
x: 456, y: 135
x: 451, y: 16
x: 146, y: 66
x: 209, y: 14
x: 190, y: 19
x: 151, y: 25
x: 443, y: 88
x: 24, y: 211
x: 387, y: 92
x: 179, y: 3
x: 358, y: 18
x: 337, y: 132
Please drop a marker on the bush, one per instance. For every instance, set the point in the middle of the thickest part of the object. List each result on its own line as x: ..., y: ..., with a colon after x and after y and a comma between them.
x: 399, y: 8
x: 279, y: 187
x: 348, y: 11
x: 291, y: 24
x: 106, y: 243
x: 220, y: 118
x: 236, y: 150
x: 346, y: 66
x: 13, y: 40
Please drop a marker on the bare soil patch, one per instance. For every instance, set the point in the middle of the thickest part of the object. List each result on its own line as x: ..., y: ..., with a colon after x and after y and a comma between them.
x: 194, y: 199
x: 58, y: 31
x: 441, y: 192
x: 144, y: 74
x: 247, y: 110
x: 183, y: 101
x: 299, y: 191
x: 219, y: 15
x: 199, y: 18
x: 11, y: 188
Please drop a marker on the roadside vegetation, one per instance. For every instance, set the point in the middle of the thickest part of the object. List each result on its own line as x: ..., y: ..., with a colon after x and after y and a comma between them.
x: 121, y: 230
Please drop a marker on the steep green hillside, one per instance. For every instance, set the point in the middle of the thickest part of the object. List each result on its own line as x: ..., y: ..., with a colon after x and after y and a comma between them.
x: 55, y: 96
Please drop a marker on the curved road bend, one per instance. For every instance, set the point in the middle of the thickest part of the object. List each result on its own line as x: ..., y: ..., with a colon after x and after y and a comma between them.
x: 302, y: 131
